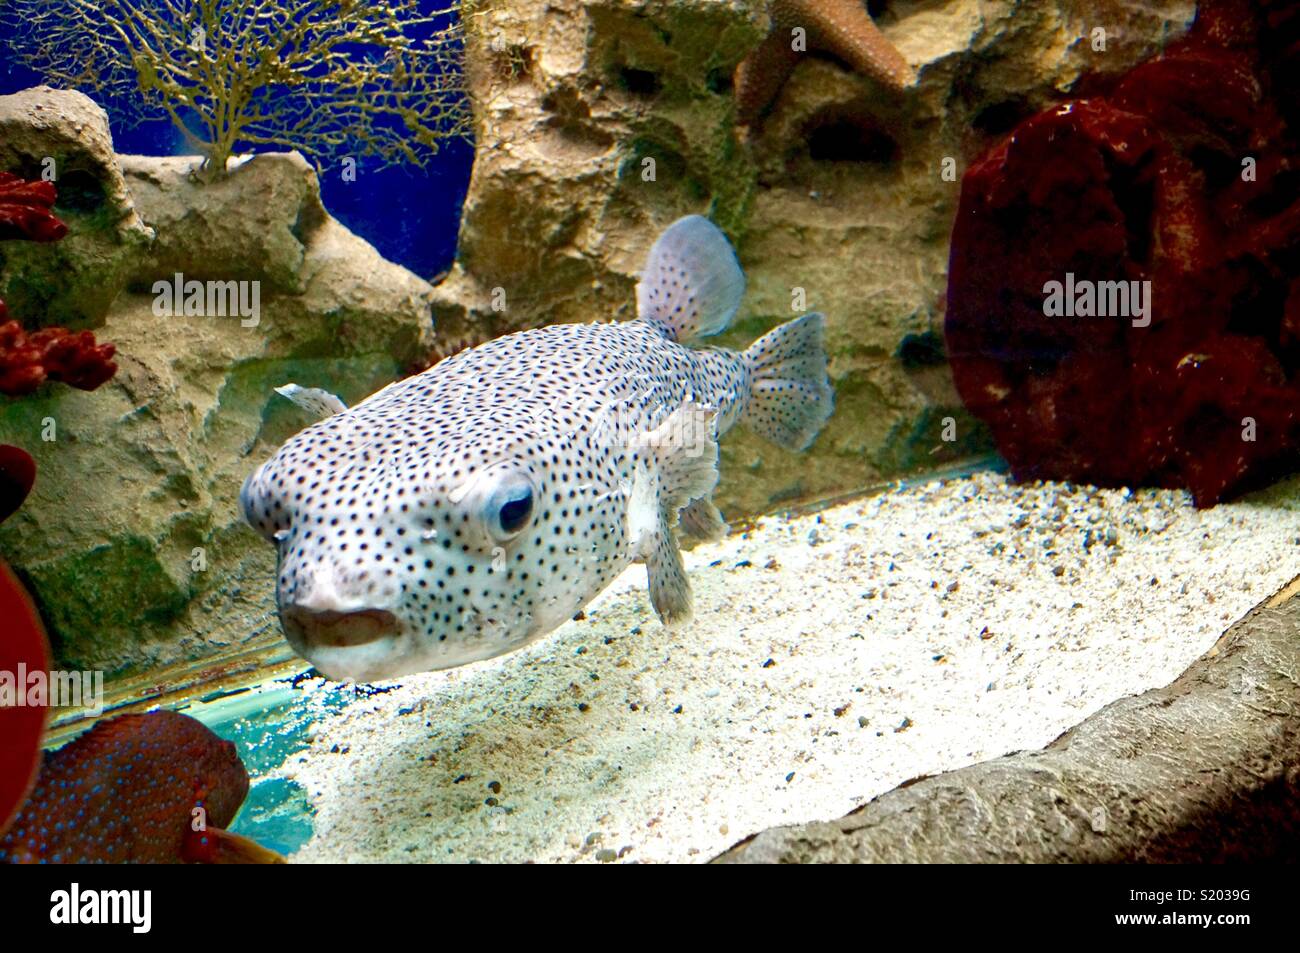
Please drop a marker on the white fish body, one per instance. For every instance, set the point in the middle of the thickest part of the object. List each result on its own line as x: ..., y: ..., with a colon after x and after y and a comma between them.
x: 473, y: 508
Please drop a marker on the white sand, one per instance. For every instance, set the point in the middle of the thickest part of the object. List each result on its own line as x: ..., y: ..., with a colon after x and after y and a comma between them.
x: 902, y: 635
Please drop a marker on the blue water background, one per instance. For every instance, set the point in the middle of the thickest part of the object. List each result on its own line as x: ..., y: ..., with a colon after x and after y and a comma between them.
x: 410, y: 215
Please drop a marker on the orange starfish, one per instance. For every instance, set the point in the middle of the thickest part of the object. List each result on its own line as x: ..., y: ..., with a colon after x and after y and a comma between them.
x: 842, y: 28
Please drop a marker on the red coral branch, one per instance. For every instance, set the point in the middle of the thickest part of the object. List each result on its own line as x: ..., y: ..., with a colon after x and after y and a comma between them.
x: 57, y: 354
x: 25, y: 210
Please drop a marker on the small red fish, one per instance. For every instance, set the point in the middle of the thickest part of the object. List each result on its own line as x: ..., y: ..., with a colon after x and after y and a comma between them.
x: 23, y: 646
x: 147, y: 788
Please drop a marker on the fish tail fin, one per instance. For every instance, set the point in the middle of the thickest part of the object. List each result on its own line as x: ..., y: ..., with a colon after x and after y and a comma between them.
x: 692, y: 283
x: 791, y: 397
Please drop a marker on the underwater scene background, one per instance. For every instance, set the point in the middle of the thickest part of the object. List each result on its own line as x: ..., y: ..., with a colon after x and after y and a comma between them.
x: 1054, y: 511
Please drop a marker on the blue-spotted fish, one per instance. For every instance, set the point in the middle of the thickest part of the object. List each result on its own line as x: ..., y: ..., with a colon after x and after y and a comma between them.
x: 471, y: 509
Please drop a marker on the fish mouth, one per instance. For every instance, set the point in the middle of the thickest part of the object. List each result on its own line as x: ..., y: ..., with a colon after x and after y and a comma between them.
x: 373, y: 644
x: 357, y: 646
x: 328, y: 628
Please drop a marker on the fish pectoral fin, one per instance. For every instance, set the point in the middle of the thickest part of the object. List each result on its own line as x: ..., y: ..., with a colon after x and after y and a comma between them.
x: 670, y: 590
x: 701, y: 519
x: 319, y: 403
x: 676, y: 463
x: 216, y: 846
x: 644, y: 512
x: 684, y: 453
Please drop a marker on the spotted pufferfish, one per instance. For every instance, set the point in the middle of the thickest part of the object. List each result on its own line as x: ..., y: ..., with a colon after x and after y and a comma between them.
x: 471, y: 509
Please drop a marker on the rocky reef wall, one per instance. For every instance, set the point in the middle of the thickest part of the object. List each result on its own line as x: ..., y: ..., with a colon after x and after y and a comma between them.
x: 131, y: 541
x: 600, y: 121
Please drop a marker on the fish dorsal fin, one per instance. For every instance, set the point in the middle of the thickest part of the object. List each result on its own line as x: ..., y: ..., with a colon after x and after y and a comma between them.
x: 320, y: 403
x: 691, y: 284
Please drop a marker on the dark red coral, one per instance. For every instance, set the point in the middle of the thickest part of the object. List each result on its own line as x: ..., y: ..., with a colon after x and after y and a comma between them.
x: 1144, y: 184
x: 17, y: 477
x: 22, y: 648
x: 25, y: 210
x: 57, y: 354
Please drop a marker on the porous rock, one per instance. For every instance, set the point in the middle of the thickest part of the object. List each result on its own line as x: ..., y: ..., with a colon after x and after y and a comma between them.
x: 62, y: 136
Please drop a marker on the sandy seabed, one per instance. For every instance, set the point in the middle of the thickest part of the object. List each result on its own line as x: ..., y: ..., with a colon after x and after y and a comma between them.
x: 832, y: 657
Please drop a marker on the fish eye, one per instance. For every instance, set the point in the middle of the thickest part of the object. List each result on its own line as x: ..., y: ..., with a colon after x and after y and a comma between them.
x: 514, y: 513
x: 510, y: 507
